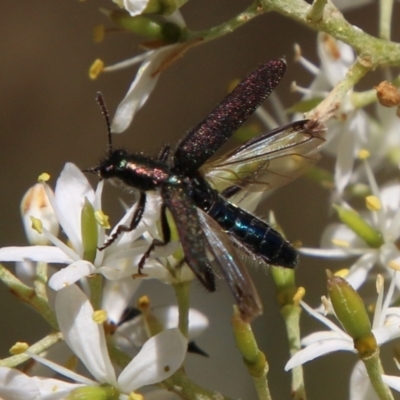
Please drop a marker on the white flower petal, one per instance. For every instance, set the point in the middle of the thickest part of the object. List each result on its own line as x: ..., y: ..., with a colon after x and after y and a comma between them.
x: 360, y: 384
x: 318, y: 349
x: 117, y: 296
x: 135, y: 7
x: 47, y: 254
x: 324, y: 335
x: 345, y: 159
x: 14, y: 385
x: 158, y: 359
x: 71, y: 190
x: 71, y: 274
x: 326, y: 253
x: 140, y: 89
x: 85, y: 338
x: 392, y: 381
x: 359, y: 271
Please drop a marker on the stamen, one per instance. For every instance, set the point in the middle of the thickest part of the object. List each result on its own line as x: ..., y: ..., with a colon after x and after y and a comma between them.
x: 373, y: 203
x: 99, y: 316
x: 43, y: 177
x: 96, y: 69
x: 18, y: 348
x: 340, y: 243
x: 102, y: 219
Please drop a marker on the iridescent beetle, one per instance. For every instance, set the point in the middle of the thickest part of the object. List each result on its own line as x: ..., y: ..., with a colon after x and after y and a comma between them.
x: 197, y: 191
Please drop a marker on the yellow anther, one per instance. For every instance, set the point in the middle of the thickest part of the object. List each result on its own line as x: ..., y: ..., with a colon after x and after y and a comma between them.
x: 43, y: 177
x: 96, y: 69
x: 102, y: 219
x: 143, y: 303
x: 300, y: 293
x: 342, y: 273
x: 363, y: 154
x: 135, y: 396
x: 99, y: 316
x: 394, y: 265
x: 19, y: 347
x: 373, y: 203
x: 340, y: 242
x: 98, y: 33
x: 37, y: 225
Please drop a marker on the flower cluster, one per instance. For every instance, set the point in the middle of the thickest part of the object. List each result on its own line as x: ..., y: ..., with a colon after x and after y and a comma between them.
x: 83, y: 280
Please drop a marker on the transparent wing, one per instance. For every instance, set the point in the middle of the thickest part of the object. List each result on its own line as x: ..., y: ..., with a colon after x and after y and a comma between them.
x: 269, y: 160
x: 232, y: 268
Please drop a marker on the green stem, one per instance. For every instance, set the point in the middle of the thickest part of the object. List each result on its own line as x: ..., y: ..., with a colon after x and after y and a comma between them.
x: 291, y: 315
x: 332, y: 102
x: 317, y: 10
x: 41, y: 281
x: 182, y: 296
x: 29, y: 296
x: 180, y: 384
x: 385, y: 18
x: 36, y: 348
x: 253, y: 358
x: 374, y: 369
x: 96, y: 290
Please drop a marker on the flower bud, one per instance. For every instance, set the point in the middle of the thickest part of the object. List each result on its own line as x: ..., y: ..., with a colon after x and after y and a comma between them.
x: 352, y: 314
x: 89, y: 231
x: 35, y: 206
x: 387, y: 94
x: 103, y: 392
x: 365, y: 231
x: 147, y: 26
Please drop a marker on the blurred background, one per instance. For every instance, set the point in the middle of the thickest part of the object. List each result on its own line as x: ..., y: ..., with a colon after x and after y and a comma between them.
x: 48, y: 116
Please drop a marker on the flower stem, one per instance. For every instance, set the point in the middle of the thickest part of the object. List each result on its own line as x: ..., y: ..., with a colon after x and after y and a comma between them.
x: 374, y: 369
x: 291, y: 315
x: 36, y: 348
x: 41, y: 281
x: 253, y: 358
x: 28, y: 295
x: 385, y: 18
x: 332, y: 102
x: 182, y: 296
x: 186, y: 389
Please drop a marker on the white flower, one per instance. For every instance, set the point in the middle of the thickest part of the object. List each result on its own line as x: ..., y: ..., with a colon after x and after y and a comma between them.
x: 35, y: 204
x: 117, y: 261
x: 159, y: 358
x: 385, y: 327
x: 135, y: 331
x: 349, y: 130
x: 339, y: 241
x: 153, y: 63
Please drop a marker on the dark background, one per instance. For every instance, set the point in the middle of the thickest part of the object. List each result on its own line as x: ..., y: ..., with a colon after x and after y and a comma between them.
x: 48, y: 116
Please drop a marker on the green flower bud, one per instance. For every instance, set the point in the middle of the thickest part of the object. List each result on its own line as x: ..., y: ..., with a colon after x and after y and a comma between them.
x: 104, y: 392
x: 351, y: 312
x: 163, y: 7
x: 147, y: 26
x: 360, y: 227
x: 88, y: 231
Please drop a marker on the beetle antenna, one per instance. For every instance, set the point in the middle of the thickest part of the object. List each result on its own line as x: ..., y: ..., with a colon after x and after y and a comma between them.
x: 104, y: 111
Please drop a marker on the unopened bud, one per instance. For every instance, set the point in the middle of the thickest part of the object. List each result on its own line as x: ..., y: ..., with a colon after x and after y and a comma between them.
x: 387, y: 94
x: 352, y: 314
x: 359, y: 226
x: 35, y: 206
